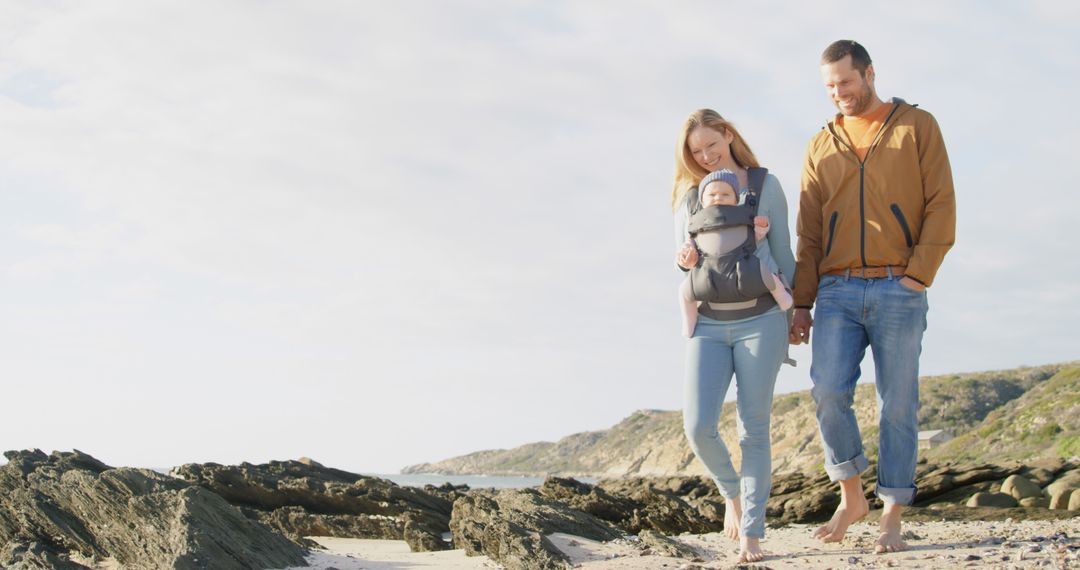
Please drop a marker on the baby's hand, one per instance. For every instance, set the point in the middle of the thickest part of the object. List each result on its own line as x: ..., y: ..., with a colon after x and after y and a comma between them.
x: 687, y: 257
x: 761, y: 227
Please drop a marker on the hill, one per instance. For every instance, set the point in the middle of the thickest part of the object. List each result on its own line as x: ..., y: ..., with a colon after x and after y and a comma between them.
x: 1007, y: 413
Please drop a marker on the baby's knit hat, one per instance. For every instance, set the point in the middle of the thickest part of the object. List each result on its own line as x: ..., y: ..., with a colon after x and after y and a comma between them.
x: 723, y: 175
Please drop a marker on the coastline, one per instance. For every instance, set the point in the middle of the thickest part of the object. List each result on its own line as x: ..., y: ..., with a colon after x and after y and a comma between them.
x: 934, y: 544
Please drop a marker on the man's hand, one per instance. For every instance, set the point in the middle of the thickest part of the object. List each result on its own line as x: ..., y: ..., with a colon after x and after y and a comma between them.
x: 800, y: 327
x: 912, y: 284
x: 687, y: 257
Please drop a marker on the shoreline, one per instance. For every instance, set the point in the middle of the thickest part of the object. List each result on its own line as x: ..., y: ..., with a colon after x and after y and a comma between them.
x: 934, y: 544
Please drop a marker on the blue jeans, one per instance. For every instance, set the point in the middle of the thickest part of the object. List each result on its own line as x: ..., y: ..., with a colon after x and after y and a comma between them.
x: 890, y: 318
x: 751, y: 349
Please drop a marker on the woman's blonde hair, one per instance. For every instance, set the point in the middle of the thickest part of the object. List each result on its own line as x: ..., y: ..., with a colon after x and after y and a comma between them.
x: 687, y: 170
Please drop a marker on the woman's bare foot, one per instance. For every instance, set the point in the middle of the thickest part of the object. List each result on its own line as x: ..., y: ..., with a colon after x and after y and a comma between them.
x: 890, y: 539
x: 732, y: 517
x: 749, y: 550
x: 845, y: 516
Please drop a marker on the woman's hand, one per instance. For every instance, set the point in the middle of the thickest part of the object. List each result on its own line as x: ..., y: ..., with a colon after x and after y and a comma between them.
x: 801, y: 322
x: 687, y: 257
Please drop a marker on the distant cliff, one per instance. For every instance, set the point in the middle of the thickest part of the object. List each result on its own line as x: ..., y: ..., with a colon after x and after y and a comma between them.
x: 1018, y: 414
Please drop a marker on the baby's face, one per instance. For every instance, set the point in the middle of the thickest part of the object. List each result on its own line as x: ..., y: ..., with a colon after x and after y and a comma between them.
x: 718, y: 194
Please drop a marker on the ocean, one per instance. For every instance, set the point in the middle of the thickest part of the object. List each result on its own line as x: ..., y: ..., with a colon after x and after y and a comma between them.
x: 473, y: 481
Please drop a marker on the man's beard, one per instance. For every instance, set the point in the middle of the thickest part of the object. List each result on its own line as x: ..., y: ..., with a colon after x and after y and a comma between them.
x: 861, y: 102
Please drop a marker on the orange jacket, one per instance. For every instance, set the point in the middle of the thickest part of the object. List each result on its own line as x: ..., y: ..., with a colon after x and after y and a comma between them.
x: 896, y: 207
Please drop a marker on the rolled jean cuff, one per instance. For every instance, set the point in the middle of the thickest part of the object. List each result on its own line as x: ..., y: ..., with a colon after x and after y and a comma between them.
x: 896, y: 495
x: 847, y: 469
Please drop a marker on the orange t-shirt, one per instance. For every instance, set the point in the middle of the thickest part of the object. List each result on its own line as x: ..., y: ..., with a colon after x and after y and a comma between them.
x: 861, y: 131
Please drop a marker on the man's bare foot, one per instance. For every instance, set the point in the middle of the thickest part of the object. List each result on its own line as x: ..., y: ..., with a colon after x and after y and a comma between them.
x: 890, y: 539
x: 750, y: 550
x: 732, y: 517
x: 846, y: 515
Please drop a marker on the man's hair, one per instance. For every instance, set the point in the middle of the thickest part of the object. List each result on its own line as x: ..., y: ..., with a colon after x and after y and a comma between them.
x: 840, y: 49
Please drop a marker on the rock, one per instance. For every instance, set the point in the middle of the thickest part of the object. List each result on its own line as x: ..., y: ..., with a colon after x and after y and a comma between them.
x: 1042, y: 471
x: 671, y: 505
x: 1035, y: 502
x: 590, y: 499
x: 480, y: 528
x: 304, y: 498
x: 1020, y: 488
x: 1000, y: 500
x: 1074, y: 501
x: 423, y: 536
x: 35, y: 555
x: 70, y: 503
x: 1060, y: 500
x: 666, y: 546
x: 1060, y: 490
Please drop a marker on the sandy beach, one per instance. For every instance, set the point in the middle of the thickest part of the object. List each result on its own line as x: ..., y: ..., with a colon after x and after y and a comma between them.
x: 954, y: 544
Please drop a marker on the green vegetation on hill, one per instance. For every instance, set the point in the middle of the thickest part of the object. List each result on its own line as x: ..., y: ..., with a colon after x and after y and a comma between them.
x: 1043, y: 422
x: 1010, y: 414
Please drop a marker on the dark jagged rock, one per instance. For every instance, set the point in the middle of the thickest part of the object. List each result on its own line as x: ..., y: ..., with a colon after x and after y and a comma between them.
x: 421, y: 535
x: 589, y: 499
x: 481, y: 527
x: 665, y: 545
x: 35, y: 555
x: 52, y: 506
x: 669, y: 505
x: 304, y: 498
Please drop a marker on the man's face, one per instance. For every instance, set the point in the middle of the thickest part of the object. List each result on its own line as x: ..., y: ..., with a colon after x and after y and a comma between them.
x: 849, y: 90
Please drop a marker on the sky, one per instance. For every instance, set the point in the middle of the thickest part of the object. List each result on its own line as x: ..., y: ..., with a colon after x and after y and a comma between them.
x: 380, y: 234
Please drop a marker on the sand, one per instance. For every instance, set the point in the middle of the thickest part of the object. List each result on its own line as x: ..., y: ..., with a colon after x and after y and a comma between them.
x: 979, y: 544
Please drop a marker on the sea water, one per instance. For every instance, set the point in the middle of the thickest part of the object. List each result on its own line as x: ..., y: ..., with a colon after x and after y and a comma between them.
x: 473, y: 481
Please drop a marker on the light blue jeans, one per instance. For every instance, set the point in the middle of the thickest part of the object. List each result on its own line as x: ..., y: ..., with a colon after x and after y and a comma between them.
x: 890, y: 318
x: 751, y: 349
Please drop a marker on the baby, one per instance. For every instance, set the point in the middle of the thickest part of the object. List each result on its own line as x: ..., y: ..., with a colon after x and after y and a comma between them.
x: 718, y: 189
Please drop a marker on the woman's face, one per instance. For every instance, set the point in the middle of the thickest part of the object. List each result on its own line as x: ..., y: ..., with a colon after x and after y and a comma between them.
x: 711, y: 149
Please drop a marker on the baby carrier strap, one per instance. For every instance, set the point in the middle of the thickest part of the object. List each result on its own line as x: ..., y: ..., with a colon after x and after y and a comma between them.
x: 755, y: 178
x: 700, y: 219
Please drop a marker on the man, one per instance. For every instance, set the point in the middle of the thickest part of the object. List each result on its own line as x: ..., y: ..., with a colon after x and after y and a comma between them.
x: 877, y: 214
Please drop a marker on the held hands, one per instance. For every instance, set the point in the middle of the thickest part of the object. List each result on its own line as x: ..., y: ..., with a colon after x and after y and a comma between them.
x: 801, y: 321
x: 687, y: 257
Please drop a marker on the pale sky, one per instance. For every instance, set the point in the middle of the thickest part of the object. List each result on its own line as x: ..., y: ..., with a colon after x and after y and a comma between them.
x: 379, y: 234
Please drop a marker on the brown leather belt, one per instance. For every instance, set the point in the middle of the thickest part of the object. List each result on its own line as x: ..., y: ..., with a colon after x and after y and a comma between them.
x: 870, y: 272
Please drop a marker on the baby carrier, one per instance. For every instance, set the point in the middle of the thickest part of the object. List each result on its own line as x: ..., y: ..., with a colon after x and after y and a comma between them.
x: 734, y: 277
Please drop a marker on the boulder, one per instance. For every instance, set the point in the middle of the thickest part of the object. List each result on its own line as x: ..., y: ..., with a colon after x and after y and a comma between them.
x: 1074, y: 501
x: 1020, y: 487
x: 1060, y: 499
x: 1000, y: 500
x: 304, y: 498
x: 1039, y: 502
x: 666, y: 546
x: 1062, y: 488
x: 53, y: 507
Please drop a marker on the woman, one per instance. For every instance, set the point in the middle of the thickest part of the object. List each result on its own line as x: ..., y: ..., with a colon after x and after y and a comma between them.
x: 750, y: 347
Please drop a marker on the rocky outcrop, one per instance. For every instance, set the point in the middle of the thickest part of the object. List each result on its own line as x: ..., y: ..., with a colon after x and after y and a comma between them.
x: 304, y: 498
x: 481, y: 527
x: 666, y: 546
x: 64, y: 505
x: 1021, y: 414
